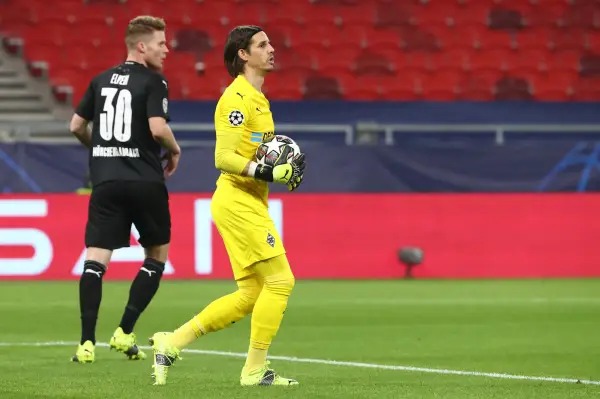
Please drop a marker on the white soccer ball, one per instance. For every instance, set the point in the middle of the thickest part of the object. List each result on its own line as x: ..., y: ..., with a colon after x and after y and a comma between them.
x: 268, y: 152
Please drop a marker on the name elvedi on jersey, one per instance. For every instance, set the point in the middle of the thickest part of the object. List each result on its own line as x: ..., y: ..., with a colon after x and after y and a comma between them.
x: 112, y: 152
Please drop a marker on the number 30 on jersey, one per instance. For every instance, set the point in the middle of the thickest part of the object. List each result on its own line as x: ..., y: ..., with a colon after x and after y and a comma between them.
x: 115, y: 121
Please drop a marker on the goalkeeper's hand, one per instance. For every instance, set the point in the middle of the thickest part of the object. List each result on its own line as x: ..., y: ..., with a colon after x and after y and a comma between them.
x: 296, y: 166
x: 283, y: 172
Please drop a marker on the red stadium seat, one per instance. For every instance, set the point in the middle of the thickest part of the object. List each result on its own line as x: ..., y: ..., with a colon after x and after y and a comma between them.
x: 409, y: 50
x: 454, y: 38
x: 546, y: 16
x: 587, y: 89
x: 480, y: 87
x: 296, y: 63
x: 419, y: 40
x: 363, y: 88
x: 566, y: 61
x: 492, y: 60
x: 450, y: 60
x: 563, y: 39
x: 442, y: 86
x: 513, y: 88
x: 382, y: 39
x: 47, y: 52
x: 402, y: 87
x: 552, y: 87
x: 357, y: 16
x: 288, y: 13
x: 244, y: 14
x: 475, y: 93
x: 533, y: 39
x: 324, y: 35
x: 443, y: 14
x: 342, y: 62
x: 393, y: 15
x: 322, y: 88
x: 491, y: 40
x: 373, y: 64
x: 580, y: 16
x: 532, y: 61
x: 500, y: 18
x: 284, y: 85
x: 474, y: 14
x: 418, y: 62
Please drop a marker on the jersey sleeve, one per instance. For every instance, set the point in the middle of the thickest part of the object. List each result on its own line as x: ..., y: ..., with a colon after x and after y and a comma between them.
x: 231, y: 118
x: 85, y: 109
x: 158, y: 98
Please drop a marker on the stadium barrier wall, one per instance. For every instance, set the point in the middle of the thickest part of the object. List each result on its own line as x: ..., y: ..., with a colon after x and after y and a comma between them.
x: 336, y: 236
x: 421, y: 112
x: 426, y: 158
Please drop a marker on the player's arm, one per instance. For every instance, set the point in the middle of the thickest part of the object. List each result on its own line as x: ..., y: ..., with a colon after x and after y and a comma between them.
x: 230, y: 122
x: 83, y: 115
x: 158, y: 114
x: 231, y: 118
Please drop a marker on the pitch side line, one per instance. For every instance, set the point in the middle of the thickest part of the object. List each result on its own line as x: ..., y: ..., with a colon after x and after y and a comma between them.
x: 334, y: 363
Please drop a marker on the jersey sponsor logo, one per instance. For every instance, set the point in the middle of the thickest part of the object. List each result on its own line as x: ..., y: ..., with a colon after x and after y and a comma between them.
x: 115, y: 152
x: 236, y: 118
x: 268, y: 136
x: 241, y: 95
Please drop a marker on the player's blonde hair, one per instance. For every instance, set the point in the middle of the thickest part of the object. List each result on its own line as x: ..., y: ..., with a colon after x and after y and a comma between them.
x: 140, y: 26
x: 240, y: 38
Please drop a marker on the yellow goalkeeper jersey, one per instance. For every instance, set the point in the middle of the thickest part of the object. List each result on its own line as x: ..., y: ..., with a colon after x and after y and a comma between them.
x: 243, y: 119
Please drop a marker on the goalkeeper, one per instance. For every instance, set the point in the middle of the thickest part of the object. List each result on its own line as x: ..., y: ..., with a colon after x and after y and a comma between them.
x: 239, y: 208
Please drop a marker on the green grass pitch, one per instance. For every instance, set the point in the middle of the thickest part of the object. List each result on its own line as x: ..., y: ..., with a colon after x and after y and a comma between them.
x: 529, y: 328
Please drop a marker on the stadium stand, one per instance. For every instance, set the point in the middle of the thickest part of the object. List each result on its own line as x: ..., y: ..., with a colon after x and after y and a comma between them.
x: 331, y: 49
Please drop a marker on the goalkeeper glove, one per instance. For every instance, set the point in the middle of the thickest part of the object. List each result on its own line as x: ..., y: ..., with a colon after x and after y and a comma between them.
x: 283, y: 172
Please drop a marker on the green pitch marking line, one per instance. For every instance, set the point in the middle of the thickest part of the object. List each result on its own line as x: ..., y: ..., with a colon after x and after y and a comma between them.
x: 335, y: 363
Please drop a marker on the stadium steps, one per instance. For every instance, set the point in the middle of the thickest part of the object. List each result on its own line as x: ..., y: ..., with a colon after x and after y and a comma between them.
x: 24, y: 98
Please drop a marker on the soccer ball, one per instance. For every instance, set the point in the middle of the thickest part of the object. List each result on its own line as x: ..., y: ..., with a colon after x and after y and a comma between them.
x: 268, y: 152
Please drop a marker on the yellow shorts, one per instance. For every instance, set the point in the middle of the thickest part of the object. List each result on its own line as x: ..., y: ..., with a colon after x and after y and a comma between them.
x: 248, y: 231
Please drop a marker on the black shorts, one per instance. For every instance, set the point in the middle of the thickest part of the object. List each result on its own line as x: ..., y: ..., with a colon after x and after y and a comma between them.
x: 115, y: 205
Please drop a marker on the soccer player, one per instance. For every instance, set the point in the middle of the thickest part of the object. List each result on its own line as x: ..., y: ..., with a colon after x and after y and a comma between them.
x: 128, y: 105
x: 239, y: 209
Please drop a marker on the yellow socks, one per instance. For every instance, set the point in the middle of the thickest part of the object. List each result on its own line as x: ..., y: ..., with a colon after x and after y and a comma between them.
x: 186, y: 334
x: 256, y: 359
x: 265, y: 294
x: 219, y: 314
x: 267, y: 317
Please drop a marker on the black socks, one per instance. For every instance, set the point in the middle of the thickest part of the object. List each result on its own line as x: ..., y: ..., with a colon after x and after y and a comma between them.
x: 142, y: 291
x: 90, y: 295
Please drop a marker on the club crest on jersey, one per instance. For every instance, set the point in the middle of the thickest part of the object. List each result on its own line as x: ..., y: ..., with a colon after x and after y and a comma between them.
x: 270, y: 240
x: 236, y: 118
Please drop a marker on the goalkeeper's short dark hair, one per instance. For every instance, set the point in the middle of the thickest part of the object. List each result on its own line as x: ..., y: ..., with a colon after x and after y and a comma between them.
x: 239, y: 38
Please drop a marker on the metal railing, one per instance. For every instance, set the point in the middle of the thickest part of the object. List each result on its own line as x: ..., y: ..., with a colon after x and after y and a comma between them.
x: 58, y: 132
x: 498, y: 130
